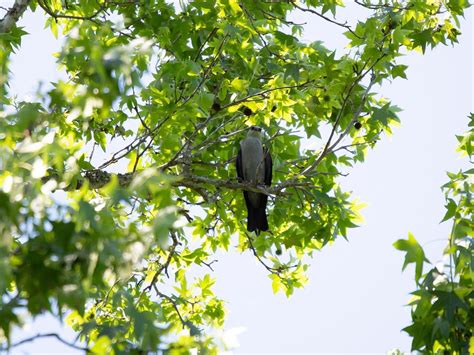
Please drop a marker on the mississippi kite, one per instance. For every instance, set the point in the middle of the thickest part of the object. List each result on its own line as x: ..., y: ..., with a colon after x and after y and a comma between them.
x: 254, y: 165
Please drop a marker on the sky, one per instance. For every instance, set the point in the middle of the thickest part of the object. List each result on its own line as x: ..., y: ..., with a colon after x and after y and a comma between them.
x: 356, y: 299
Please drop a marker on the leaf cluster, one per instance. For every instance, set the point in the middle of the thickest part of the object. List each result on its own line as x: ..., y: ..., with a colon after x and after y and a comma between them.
x: 442, y: 318
x: 118, y: 185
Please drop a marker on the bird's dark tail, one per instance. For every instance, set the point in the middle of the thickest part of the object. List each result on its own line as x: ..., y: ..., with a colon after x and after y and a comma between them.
x: 257, y: 220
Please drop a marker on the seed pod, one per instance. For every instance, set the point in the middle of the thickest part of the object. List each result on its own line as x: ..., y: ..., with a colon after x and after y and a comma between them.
x: 247, y: 111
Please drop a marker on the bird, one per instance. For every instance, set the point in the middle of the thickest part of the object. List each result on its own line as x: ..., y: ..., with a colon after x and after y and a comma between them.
x: 254, y: 165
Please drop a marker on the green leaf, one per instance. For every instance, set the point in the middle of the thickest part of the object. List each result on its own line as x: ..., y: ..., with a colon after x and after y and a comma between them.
x: 171, y: 87
x: 101, y: 139
x: 451, y: 210
x: 162, y: 225
x: 413, y: 254
x: 239, y: 85
x: 400, y: 35
x: 205, y: 100
x: 234, y: 4
x: 423, y: 39
x: 385, y: 114
x: 102, y: 346
x: 276, y: 283
x: 449, y: 302
x: 399, y: 71
x: 292, y: 70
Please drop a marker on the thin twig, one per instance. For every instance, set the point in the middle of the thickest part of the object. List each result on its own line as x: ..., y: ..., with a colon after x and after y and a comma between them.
x: 164, y: 267
x: 46, y: 335
x: 382, y: 6
x: 56, y: 16
x: 345, y: 147
x: 135, y: 108
x: 173, y: 303
x: 266, y: 91
x: 265, y: 44
x: 328, y: 147
x: 207, y: 70
x: 209, y: 264
x: 270, y: 16
x: 209, y: 36
x: 275, y: 271
x: 344, y: 25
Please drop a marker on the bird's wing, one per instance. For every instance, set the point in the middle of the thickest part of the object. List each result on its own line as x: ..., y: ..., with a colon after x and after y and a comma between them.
x: 240, y: 175
x: 238, y: 165
x: 268, y: 166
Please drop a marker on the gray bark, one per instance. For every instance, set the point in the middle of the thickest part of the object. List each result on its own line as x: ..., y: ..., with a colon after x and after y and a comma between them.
x: 13, y: 15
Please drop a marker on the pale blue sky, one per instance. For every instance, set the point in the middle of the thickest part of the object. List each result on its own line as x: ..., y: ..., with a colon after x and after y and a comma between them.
x: 356, y: 296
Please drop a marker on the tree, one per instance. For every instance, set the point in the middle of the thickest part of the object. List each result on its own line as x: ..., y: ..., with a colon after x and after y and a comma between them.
x: 166, y: 91
x: 442, y: 317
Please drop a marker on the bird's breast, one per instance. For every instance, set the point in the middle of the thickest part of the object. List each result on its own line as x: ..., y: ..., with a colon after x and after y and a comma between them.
x: 253, y: 166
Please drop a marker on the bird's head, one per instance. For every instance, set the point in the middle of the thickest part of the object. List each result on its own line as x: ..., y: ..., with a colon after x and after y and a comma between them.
x: 255, y: 131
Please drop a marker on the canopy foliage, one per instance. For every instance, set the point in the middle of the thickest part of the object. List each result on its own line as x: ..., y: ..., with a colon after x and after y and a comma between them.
x: 118, y: 185
x: 442, y: 304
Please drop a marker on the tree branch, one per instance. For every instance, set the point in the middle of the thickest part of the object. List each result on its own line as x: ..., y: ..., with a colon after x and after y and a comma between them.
x: 370, y: 6
x: 344, y: 25
x: 164, y: 267
x: 184, y: 323
x: 266, y: 91
x: 47, y: 335
x: 272, y: 270
x: 98, y: 179
x: 56, y: 16
x: 328, y: 148
x: 13, y: 15
x: 138, y: 140
x: 356, y: 114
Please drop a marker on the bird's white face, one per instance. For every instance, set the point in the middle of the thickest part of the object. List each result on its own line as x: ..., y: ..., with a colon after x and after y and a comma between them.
x: 255, y: 132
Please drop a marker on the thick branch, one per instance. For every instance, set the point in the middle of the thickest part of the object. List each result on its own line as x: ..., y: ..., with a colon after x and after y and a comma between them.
x: 98, y: 179
x: 13, y: 15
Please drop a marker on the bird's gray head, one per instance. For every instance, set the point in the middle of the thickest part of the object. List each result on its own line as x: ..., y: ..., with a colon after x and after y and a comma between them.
x: 255, y: 131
